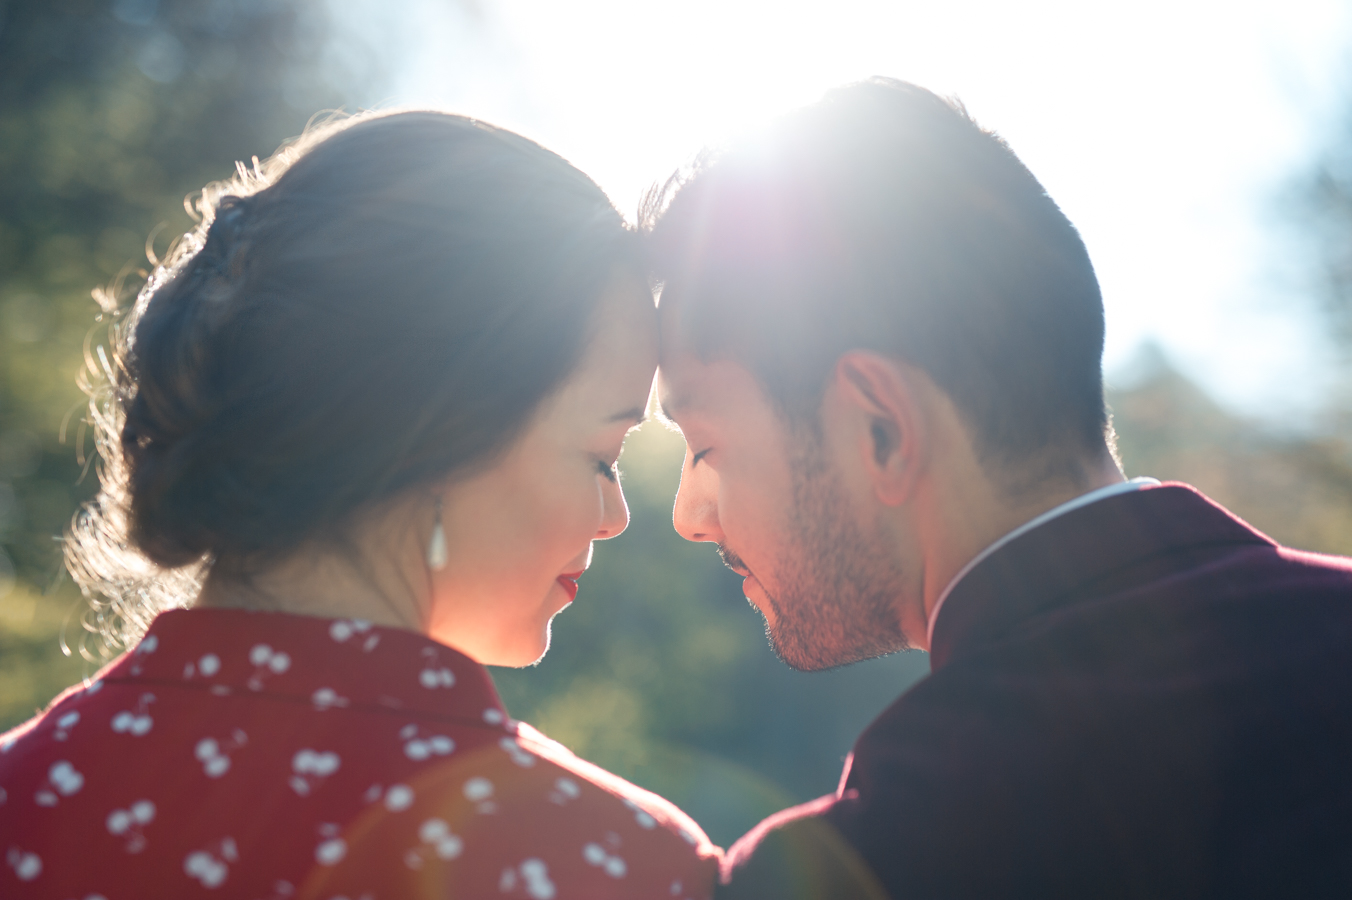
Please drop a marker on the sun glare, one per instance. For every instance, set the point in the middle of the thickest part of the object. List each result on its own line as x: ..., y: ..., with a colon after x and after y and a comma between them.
x: 1161, y: 133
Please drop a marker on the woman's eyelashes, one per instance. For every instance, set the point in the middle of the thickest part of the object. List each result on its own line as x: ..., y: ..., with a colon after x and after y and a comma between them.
x: 694, y: 460
x: 610, y: 470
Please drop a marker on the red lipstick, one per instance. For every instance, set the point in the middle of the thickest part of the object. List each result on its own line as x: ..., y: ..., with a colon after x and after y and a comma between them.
x: 569, y: 583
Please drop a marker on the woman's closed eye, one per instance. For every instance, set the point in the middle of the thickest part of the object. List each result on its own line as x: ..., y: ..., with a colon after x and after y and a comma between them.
x: 610, y: 470
x: 694, y: 460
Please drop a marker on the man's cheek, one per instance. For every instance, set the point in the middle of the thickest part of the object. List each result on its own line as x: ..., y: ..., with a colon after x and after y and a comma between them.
x: 752, y: 509
x: 746, y: 528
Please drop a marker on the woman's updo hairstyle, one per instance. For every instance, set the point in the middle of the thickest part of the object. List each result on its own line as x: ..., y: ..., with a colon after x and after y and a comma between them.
x: 383, y: 303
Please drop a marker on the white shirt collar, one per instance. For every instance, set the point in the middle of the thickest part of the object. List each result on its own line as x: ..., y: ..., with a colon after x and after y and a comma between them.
x: 1112, y: 490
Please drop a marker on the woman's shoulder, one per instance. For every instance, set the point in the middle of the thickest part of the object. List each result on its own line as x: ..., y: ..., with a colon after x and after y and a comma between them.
x: 650, y: 810
x: 522, y: 816
x: 392, y: 770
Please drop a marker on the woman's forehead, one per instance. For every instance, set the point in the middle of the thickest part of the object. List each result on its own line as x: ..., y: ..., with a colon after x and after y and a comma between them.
x: 611, y: 385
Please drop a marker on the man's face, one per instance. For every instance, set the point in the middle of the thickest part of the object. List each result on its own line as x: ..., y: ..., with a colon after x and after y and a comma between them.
x: 769, y: 494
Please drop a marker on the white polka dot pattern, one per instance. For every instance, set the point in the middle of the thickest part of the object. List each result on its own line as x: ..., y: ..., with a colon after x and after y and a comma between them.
x: 284, y: 757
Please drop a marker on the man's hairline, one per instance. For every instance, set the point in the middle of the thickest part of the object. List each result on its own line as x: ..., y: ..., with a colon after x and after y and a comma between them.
x: 784, y: 411
x: 794, y: 414
x: 795, y: 417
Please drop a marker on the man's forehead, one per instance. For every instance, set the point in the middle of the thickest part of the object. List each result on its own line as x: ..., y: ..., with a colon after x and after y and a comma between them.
x: 689, y: 387
x: 674, y: 400
x: 684, y: 385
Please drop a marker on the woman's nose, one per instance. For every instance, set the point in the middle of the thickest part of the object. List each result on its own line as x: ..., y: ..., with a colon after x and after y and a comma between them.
x: 695, y: 515
x: 614, y: 511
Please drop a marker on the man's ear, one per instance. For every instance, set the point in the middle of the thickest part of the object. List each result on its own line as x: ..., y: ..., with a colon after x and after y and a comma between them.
x: 880, y: 399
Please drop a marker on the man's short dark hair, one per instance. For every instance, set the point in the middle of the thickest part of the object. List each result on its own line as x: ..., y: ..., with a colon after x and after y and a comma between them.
x: 884, y: 218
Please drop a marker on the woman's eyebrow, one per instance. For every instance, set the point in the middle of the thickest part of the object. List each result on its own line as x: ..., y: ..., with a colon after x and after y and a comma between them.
x: 667, y: 407
x: 634, y: 415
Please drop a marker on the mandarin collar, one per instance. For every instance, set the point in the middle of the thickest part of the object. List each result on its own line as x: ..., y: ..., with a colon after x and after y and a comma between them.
x: 1123, y: 487
x: 329, y: 663
x: 1050, y: 565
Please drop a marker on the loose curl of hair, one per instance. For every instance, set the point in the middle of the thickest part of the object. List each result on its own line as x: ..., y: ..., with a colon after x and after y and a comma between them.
x: 382, y: 303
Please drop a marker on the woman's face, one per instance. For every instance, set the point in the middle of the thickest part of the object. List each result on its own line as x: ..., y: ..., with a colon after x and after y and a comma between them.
x: 519, y: 534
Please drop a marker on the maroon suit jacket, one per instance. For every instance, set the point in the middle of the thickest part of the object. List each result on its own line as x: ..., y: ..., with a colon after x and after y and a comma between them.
x: 1144, y: 697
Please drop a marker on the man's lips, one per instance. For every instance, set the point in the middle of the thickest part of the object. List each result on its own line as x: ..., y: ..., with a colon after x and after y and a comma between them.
x: 568, y: 581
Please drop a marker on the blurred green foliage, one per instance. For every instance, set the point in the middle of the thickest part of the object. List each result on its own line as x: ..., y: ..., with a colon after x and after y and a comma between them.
x: 1297, y: 489
x: 111, y: 112
x: 1318, y: 203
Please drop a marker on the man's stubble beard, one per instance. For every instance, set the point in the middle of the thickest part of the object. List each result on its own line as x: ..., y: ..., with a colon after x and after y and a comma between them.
x: 835, y: 602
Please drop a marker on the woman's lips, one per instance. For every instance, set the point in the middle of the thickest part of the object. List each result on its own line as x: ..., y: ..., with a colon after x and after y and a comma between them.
x: 569, y: 583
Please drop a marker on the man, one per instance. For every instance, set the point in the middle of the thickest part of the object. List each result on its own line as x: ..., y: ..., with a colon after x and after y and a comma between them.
x: 882, y: 341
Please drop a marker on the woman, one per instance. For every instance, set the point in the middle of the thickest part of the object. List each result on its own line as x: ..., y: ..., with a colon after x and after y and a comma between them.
x: 368, y: 414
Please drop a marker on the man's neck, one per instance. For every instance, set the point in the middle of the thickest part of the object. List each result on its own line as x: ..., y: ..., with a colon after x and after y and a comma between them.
x: 971, y: 512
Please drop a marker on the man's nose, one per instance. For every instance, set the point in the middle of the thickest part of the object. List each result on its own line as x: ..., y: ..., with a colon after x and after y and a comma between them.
x: 695, y: 515
x: 614, y: 511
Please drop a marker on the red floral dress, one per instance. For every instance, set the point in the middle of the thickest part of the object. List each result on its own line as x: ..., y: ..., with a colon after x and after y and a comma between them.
x: 267, y: 757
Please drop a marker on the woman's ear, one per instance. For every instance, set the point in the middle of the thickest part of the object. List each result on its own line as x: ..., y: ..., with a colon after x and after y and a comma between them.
x: 879, y: 399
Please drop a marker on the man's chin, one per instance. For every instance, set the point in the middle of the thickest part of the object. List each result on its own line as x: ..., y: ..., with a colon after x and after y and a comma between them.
x: 795, y: 647
x: 803, y: 656
x: 811, y: 648
x: 755, y: 595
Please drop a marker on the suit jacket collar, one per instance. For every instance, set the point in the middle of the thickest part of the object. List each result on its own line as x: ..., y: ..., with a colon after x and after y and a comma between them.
x: 1055, y: 563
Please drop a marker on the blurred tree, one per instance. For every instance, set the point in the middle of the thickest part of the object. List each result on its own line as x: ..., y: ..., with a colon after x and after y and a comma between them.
x: 1318, y: 201
x: 1297, y: 489
x: 111, y: 111
x: 1317, y: 205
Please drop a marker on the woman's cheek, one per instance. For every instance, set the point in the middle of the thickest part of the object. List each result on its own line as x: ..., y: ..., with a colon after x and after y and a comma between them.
x: 580, y: 514
x: 553, y: 531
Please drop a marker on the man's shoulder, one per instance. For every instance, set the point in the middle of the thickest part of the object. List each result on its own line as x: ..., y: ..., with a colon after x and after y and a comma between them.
x: 799, y: 852
x: 1321, y: 569
x: 1151, y: 679
x: 1135, y: 578
x: 1137, y: 711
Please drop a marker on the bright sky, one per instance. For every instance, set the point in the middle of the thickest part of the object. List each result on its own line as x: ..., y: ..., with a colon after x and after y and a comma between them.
x: 1162, y: 128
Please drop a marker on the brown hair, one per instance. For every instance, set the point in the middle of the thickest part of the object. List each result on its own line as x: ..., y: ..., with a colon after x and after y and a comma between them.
x: 884, y: 218
x: 382, y: 303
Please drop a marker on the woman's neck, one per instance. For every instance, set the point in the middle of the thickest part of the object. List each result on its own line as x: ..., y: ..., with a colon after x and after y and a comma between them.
x: 323, y: 584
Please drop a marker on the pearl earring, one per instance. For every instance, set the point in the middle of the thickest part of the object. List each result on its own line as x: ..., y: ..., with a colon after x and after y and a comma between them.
x: 436, y: 547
